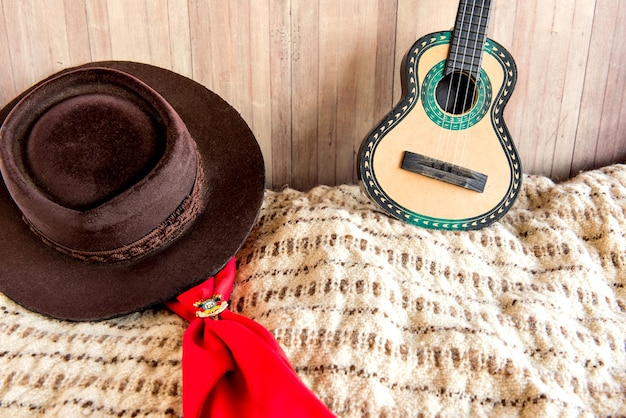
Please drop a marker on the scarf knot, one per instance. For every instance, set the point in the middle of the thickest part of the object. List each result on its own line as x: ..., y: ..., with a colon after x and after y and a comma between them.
x: 226, y: 362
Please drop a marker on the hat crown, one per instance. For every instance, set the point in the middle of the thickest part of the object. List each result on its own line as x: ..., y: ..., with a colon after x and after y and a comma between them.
x: 96, y: 160
x: 87, y: 149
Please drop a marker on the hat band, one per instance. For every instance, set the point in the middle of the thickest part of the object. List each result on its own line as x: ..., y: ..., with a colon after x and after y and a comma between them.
x: 166, y: 232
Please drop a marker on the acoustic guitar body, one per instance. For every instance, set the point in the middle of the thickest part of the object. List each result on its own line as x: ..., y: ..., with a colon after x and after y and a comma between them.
x: 443, y: 157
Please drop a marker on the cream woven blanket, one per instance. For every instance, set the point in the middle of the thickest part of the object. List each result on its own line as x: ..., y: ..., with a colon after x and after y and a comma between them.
x: 379, y: 319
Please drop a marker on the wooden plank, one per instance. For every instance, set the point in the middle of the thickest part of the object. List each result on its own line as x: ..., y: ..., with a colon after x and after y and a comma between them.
x: 384, y: 69
x: 130, y: 37
x: 239, y: 53
x: 578, y: 34
x: 305, y: 85
x: 620, y: 135
x: 97, y: 12
x: 365, y: 73
x: 158, y: 33
x: 347, y: 96
x: 385, y: 57
x: 200, y: 38
x: 20, y: 27
x: 357, y: 85
x: 407, y: 32
x: 611, y: 146
x: 525, y: 134
x: 259, y: 68
x: 7, y: 81
x: 551, y: 31
x: 502, y: 23
x: 37, y: 34
x: 50, y: 41
x: 595, y: 87
x: 77, y: 32
x: 550, y: 38
x: 221, y: 51
x: 281, y: 87
x: 219, y: 54
x: 180, y: 37
x: 329, y: 77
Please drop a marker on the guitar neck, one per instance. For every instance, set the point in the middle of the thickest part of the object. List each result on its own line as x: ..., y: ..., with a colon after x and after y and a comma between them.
x: 468, y: 37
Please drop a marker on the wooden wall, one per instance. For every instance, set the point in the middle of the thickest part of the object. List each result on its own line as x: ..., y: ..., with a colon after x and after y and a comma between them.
x: 312, y: 77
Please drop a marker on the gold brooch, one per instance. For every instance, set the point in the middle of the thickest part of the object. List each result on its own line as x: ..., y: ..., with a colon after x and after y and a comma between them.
x: 210, y: 308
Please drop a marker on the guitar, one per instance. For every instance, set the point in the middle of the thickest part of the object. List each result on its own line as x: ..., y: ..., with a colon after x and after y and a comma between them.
x: 443, y: 158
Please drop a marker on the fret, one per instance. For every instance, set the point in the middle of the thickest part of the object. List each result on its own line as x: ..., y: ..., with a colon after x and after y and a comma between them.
x: 483, y: 5
x: 472, y: 21
x: 465, y: 67
x: 469, y: 47
x: 473, y: 15
x: 468, y: 37
x: 464, y: 33
x: 466, y: 50
x: 471, y: 29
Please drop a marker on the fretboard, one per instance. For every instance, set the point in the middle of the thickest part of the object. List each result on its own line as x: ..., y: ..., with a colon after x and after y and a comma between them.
x: 468, y: 38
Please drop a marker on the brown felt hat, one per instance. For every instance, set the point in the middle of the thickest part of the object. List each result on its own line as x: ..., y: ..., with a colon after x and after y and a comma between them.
x: 123, y: 185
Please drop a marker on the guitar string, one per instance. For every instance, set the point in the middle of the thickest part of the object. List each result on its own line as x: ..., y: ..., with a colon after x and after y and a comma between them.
x: 442, y: 130
x: 452, y: 136
x: 455, y: 136
x: 477, y: 66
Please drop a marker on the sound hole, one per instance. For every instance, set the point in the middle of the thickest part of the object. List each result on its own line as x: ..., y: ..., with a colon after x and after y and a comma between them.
x: 456, y: 93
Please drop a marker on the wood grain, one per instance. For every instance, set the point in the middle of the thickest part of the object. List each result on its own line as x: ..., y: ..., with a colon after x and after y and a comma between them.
x: 311, y: 78
x: 97, y: 13
x: 305, y: 81
x: 281, y: 97
x: 602, y: 101
x: 329, y: 82
x: 261, y: 78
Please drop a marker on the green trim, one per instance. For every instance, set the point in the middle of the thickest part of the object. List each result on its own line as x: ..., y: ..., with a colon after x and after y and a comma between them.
x: 449, y: 121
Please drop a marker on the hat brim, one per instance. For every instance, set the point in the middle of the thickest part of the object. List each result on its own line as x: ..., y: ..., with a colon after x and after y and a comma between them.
x: 46, y: 281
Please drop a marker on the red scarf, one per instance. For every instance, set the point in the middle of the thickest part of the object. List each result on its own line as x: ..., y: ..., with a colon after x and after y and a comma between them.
x: 232, y: 366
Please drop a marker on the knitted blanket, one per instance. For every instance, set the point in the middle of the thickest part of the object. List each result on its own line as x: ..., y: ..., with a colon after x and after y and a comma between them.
x: 379, y: 318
